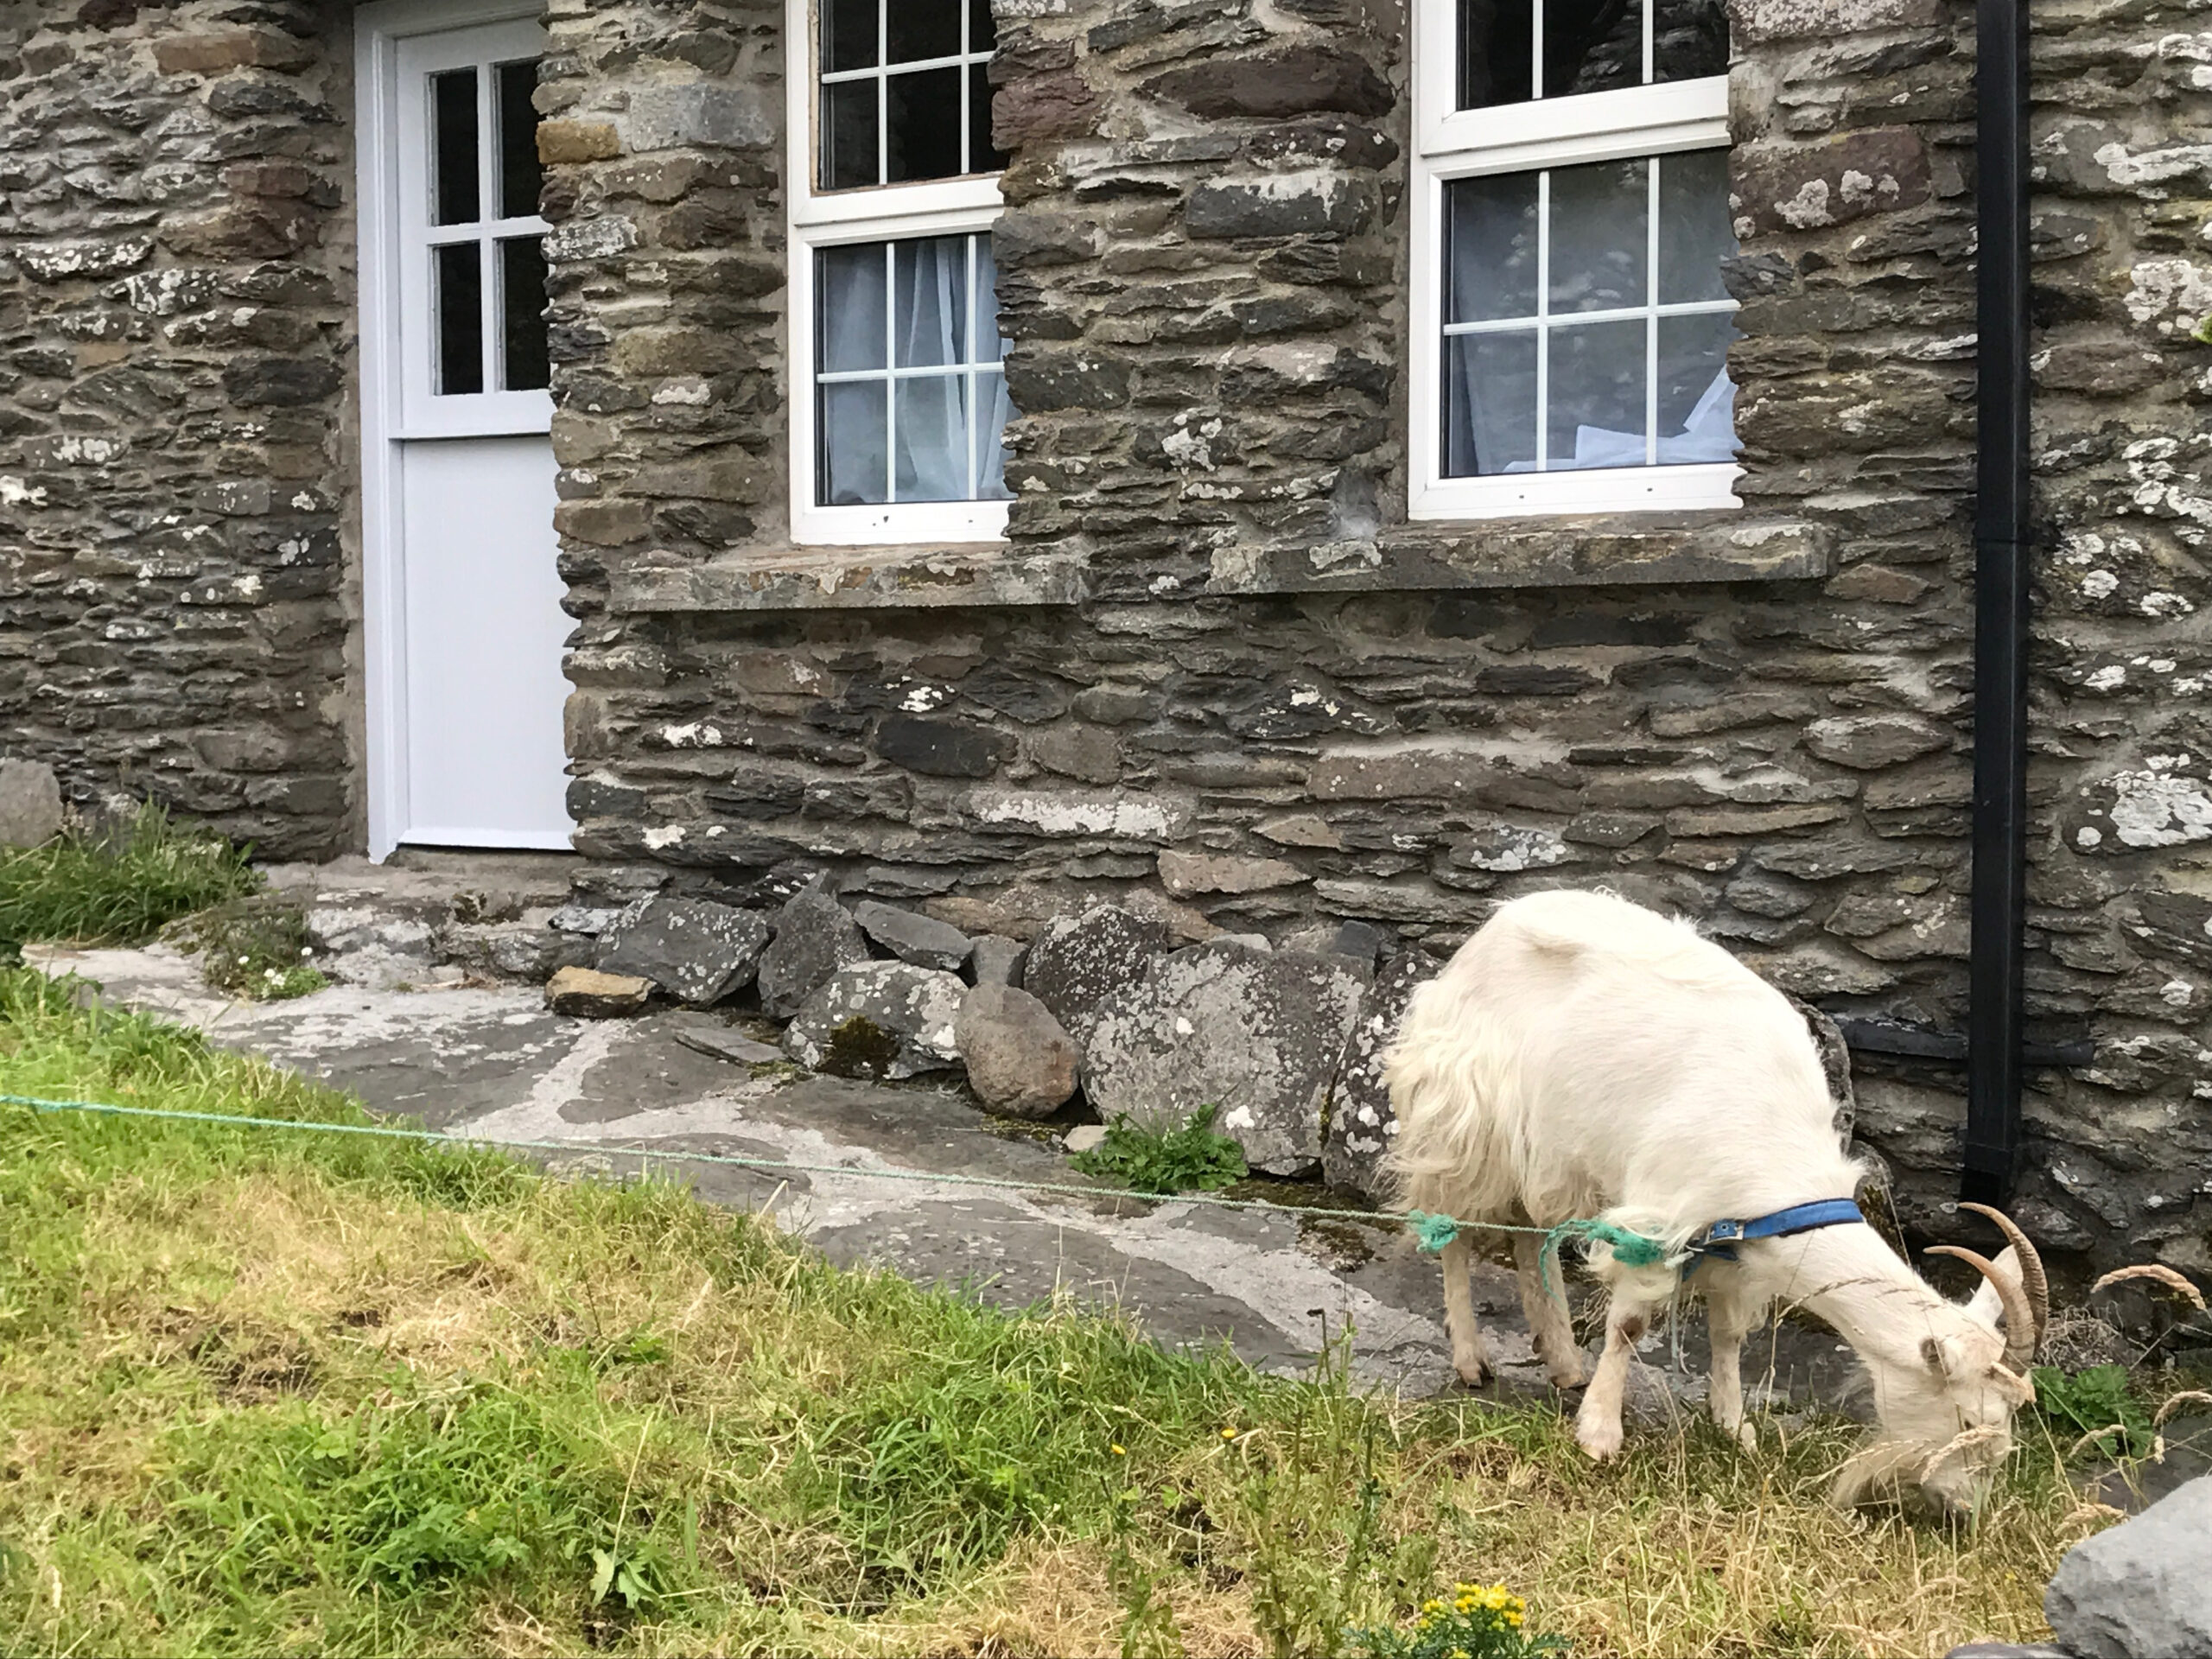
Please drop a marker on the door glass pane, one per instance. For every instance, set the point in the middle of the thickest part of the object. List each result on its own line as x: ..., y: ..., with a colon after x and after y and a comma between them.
x: 1490, y: 403
x: 849, y: 301
x: 1695, y: 232
x: 522, y: 176
x: 453, y: 145
x: 1697, y: 405
x: 931, y: 301
x: 1600, y: 236
x: 931, y: 435
x: 1490, y: 237
x: 850, y: 154
x: 457, y: 283
x: 1689, y: 39
x: 1592, y: 46
x: 849, y: 35
x: 922, y: 118
x: 1497, y: 42
x: 1596, y: 417
x: 923, y: 29
x: 852, y: 467
x: 524, y: 364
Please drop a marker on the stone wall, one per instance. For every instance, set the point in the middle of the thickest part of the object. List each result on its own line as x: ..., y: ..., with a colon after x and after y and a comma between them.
x: 1215, y: 672
x: 175, y: 359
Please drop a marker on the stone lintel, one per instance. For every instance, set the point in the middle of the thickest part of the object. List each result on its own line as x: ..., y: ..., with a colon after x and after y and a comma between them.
x: 856, y: 578
x: 1555, y: 553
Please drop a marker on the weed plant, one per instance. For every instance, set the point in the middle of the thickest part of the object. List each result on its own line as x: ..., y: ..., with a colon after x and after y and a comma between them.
x: 1190, y: 1158
x: 255, y: 948
x: 116, y: 885
x: 276, y: 1392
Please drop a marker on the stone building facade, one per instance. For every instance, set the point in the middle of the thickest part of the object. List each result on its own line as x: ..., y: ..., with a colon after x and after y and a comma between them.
x: 1213, y: 667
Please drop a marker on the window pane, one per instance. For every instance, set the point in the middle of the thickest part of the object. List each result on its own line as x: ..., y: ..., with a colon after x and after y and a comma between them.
x: 981, y: 158
x: 1592, y: 45
x: 923, y: 29
x: 1695, y: 233
x: 850, y: 157
x: 1490, y: 403
x: 1696, y: 401
x: 1689, y: 39
x: 849, y: 300
x: 930, y: 433
x: 852, y: 443
x: 522, y: 176
x: 457, y: 277
x: 982, y: 27
x: 1496, y: 47
x: 993, y: 410
x: 524, y: 365
x: 922, y: 112
x: 989, y: 348
x: 1489, y: 235
x: 1600, y: 219
x: 848, y: 34
x: 931, y: 301
x: 453, y: 139
x: 1595, y: 396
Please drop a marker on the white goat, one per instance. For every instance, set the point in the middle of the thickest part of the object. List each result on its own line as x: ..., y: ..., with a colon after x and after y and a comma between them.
x: 1583, y: 1057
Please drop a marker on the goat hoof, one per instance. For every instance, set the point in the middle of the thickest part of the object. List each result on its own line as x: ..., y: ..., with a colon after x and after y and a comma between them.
x: 1747, y: 1437
x: 1567, y: 1376
x: 1473, y: 1375
x: 1600, y: 1440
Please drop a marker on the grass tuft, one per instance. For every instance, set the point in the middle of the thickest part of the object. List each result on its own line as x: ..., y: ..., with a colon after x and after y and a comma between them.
x: 289, y: 1394
x: 119, y: 886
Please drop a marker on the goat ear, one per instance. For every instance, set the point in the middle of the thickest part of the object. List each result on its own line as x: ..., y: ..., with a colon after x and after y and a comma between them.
x: 1986, y: 1306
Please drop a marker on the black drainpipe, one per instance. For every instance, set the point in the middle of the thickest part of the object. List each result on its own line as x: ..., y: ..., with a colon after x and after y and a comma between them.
x: 1996, y: 1010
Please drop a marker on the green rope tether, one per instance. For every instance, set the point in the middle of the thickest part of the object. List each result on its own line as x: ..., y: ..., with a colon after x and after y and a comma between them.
x: 1432, y: 1232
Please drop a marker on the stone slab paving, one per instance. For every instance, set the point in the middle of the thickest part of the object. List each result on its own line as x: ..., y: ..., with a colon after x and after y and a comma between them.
x: 493, y: 1062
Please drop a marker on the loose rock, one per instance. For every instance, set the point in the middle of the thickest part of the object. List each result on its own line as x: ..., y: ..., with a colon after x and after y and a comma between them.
x: 918, y: 940
x: 703, y: 1035
x: 30, y: 803
x: 590, y: 995
x: 696, y: 952
x: 1021, y: 1062
x: 814, y: 938
x: 2141, y: 1588
x: 880, y: 1020
x: 1255, y: 1034
x: 996, y: 961
x: 1077, y: 964
x: 1084, y: 1137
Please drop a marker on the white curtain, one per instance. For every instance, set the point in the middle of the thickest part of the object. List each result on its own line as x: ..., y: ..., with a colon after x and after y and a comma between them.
x: 931, y: 454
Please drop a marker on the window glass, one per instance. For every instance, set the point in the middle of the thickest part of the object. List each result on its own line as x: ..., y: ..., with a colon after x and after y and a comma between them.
x: 907, y: 410
x: 1576, y: 335
x: 904, y: 92
x: 1585, y: 45
x: 522, y: 175
x: 453, y: 129
x: 457, y: 287
x: 525, y: 362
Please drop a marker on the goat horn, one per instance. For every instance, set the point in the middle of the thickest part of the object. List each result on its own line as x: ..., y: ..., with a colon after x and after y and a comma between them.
x: 2031, y: 1274
x: 2019, y: 1319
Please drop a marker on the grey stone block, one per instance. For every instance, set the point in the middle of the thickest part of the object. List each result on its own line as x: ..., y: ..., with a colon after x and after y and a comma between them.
x: 880, y: 1021
x: 2142, y: 1590
x: 814, y: 938
x: 918, y: 940
x: 696, y: 950
x: 30, y: 803
x: 1021, y: 1063
x: 1077, y: 964
x: 1361, y: 1123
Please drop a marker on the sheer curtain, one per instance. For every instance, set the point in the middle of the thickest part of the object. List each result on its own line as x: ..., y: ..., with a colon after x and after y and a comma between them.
x: 903, y: 433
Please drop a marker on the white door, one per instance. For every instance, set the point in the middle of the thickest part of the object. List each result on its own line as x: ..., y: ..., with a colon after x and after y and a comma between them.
x: 461, y: 597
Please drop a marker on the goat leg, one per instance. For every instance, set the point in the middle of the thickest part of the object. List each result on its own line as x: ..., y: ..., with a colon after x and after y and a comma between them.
x: 1469, y: 1358
x: 1727, y: 1324
x: 1549, y: 1327
x: 1597, y: 1425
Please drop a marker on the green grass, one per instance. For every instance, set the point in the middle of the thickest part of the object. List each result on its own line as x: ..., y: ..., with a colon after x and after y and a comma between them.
x: 272, y: 1393
x: 120, y: 885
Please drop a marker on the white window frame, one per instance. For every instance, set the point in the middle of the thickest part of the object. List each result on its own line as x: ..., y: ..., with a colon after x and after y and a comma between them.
x: 820, y: 220
x: 1454, y: 143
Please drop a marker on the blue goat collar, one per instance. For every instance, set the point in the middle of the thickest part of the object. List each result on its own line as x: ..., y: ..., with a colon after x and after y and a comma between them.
x: 1721, y: 1238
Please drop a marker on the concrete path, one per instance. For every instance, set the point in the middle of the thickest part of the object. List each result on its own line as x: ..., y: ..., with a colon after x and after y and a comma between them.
x: 494, y: 1062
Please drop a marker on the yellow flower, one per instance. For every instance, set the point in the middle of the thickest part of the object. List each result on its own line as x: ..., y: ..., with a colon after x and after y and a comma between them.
x: 1228, y: 1433
x: 1121, y: 1452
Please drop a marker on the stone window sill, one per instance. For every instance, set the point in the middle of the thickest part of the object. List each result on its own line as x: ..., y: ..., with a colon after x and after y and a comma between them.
x: 1593, y: 552
x: 853, y: 578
